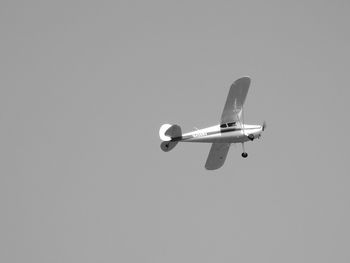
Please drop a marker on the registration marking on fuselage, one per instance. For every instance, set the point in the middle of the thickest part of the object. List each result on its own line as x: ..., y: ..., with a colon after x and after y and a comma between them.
x: 199, y: 134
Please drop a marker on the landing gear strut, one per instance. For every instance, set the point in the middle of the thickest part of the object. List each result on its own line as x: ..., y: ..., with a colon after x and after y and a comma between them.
x: 244, y: 154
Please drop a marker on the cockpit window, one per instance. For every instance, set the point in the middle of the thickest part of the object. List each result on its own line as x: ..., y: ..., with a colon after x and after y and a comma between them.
x: 230, y: 124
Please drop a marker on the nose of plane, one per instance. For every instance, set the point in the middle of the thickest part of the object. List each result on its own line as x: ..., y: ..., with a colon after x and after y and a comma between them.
x: 262, y: 128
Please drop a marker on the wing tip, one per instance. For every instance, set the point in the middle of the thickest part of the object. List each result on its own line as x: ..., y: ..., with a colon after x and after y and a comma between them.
x: 212, y: 168
x: 244, y: 78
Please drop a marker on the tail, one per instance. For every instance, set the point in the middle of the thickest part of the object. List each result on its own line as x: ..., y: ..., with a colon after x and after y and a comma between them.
x: 167, y: 134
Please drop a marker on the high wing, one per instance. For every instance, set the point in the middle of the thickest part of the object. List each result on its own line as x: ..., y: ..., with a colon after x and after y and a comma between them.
x: 217, y: 155
x: 235, y: 100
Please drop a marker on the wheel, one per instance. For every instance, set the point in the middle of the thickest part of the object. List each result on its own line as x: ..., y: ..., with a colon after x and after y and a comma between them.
x: 251, y: 137
x: 244, y: 155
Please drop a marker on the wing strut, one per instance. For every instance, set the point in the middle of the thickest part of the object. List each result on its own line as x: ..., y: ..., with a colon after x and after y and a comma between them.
x: 242, y: 120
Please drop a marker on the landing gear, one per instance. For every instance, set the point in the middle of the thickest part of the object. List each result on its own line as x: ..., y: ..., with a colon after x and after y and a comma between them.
x: 244, y: 154
x: 251, y: 137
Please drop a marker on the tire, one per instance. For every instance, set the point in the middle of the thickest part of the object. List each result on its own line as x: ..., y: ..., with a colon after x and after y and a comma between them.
x: 251, y: 137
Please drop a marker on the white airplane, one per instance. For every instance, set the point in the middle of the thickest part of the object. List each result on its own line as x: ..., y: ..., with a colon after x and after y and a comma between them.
x: 230, y: 130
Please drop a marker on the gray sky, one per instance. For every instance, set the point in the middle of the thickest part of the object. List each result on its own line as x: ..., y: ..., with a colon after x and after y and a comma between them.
x: 84, y: 88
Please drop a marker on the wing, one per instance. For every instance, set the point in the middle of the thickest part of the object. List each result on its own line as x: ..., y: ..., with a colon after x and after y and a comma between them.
x: 217, y: 155
x: 235, y: 100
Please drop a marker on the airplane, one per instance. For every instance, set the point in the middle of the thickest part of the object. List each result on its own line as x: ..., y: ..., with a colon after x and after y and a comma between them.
x: 230, y: 130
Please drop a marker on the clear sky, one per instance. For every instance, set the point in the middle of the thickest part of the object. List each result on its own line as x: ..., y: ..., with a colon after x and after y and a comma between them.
x: 84, y: 88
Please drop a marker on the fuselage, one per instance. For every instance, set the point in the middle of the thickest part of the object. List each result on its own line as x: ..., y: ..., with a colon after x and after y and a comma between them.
x: 224, y: 133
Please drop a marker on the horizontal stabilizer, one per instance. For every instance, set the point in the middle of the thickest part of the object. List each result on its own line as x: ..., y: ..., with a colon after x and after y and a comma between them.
x: 168, y: 132
x: 167, y: 146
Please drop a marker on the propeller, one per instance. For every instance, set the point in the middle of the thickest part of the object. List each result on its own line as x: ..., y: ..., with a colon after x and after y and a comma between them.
x: 264, y: 126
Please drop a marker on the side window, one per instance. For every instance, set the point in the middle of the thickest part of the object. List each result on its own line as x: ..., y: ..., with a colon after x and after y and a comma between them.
x: 223, y: 126
x: 231, y: 124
